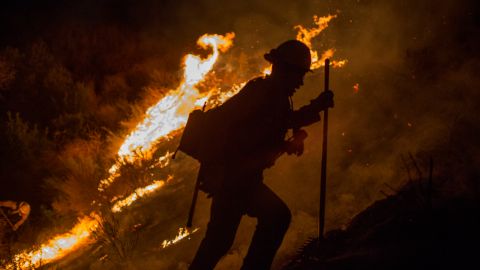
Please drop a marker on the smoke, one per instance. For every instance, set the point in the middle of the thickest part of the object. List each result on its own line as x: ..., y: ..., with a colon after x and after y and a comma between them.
x: 415, y: 79
x: 415, y: 65
x: 415, y: 62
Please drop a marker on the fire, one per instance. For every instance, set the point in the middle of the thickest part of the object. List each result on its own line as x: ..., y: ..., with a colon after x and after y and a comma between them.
x: 168, y: 115
x: 138, y: 193
x: 306, y: 35
x: 195, y: 67
x: 171, y: 112
x: 339, y: 64
x: 59, y: 246
x: 182, y: 234
x: 267, y: 71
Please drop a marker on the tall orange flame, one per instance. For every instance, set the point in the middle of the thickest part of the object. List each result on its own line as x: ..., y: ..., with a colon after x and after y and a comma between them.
x: 171, y: 112
x: 306, y: 35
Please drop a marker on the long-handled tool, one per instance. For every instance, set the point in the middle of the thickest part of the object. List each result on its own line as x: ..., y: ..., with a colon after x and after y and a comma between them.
x: 194, y: 202
x: 323, y: 180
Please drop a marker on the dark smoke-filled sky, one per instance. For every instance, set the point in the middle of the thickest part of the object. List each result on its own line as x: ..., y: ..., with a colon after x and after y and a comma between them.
x: 415, y: 62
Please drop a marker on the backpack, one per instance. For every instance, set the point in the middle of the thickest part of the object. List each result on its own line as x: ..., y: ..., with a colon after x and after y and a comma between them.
x: 204, y: 136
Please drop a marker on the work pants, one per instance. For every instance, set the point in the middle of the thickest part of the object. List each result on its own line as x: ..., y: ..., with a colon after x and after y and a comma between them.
x: 273, y: 219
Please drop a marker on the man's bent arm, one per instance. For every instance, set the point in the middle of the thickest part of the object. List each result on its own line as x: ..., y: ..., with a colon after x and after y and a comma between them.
x: 305, y: 116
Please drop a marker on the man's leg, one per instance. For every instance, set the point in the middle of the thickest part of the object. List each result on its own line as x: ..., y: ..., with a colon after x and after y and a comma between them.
x: 273, y: 220
x: 225, y: 217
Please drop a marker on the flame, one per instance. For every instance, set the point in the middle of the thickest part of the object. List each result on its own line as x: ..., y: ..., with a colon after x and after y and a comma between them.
x: 59, y: 246
x: 138, y: 193
x: 306, y: 35
x: 171, y: 112
x: 339, y: 64
x: 182, y: 234
x: 168, y: 115
x: 267, y: 71
x: 195, y: 67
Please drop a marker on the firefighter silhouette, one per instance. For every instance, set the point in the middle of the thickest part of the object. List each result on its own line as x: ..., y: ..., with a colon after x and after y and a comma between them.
x: 258, y: 118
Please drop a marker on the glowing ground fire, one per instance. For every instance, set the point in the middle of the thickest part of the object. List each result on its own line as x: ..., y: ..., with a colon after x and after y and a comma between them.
x: 138, y: 193
x: 171, y: 112
x: 182, y: 233
x: 168, y: 115
x: 57, y: 247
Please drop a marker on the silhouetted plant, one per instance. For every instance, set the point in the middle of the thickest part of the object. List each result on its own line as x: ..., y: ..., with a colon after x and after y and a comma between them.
x: 118, y: 240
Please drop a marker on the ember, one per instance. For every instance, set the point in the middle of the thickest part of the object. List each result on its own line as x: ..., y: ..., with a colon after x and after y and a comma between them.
x: 356, y: 88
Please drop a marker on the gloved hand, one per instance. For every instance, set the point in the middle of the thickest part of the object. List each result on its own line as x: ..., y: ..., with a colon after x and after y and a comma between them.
x: 323, y: 101
x: 295, y: 144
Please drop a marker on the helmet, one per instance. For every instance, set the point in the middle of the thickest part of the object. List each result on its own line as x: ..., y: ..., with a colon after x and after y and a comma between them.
x: 293, y: 53
x: 24, y: 208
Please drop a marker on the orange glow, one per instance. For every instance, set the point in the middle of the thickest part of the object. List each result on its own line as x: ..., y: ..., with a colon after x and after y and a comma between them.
x: 339, y: 63
x: 267, y: 71
x: 182, y: 234
x: 306, y: 35
x: 59, y: 246
x: 171, y: 112
x: 138, y: 193
x: 356, y: 88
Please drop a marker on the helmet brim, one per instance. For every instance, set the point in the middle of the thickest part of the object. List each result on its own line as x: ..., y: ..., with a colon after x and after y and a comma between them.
x: 273, y: 60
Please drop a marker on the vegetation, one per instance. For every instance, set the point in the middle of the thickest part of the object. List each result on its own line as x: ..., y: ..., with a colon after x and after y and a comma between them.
x: 63, y: 96
x: 76, y: 76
